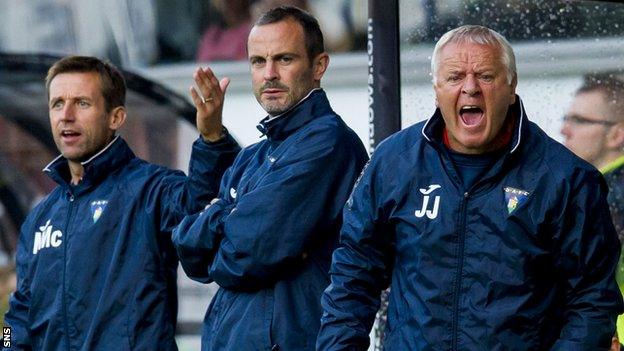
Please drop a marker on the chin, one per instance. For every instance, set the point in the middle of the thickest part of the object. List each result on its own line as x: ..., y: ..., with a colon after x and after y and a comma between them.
x: 75, y: 155
x: 273, y: 112
x: 472, y: 141
x: 72, y: 157
x: 274, y: 109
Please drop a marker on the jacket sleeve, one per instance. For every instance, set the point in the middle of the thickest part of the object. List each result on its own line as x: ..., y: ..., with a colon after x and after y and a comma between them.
x: 197, y: 239
x: 267, y: 233
x: 19, y: 302
x: 186, y: 195
x: 588, y: 254
x: 360, y: 270
x: 291, y: 210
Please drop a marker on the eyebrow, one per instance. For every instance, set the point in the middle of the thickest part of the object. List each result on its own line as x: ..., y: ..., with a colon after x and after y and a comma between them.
x: 575, y: 117
x: 53, y: 100
x: 277, y: 55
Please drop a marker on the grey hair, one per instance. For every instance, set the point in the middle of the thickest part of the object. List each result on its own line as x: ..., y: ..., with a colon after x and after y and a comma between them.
x: 477, y: 35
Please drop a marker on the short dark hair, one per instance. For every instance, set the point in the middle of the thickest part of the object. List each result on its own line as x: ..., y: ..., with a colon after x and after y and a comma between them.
x: 113, y: 83
x: 611, y: 87
x: 311, y: 29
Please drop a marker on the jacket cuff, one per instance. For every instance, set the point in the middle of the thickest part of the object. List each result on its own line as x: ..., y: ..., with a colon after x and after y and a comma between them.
x: 226, y: 139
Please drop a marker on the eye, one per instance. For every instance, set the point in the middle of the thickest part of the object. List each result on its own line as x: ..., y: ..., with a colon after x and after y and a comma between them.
x: 285, y: 59
x: 487, y: 78
x: 257, y: 61
x: 83, y: 103
x: 56, y: 104
x: 453, y: 78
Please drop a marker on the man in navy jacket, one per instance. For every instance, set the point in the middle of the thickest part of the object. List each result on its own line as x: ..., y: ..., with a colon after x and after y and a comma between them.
x: 96, y: 268
x: 492, y: 235
x: 267, y: 239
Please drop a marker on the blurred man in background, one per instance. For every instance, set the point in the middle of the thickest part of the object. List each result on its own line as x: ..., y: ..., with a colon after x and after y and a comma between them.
x: 593, y: 129
x: 96, y: 269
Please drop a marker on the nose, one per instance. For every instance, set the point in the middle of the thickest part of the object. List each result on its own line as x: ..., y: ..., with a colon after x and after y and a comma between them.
x: 67, y: 114
x: 270, y: 71
x: 471, y: 85
x: 565, y: 130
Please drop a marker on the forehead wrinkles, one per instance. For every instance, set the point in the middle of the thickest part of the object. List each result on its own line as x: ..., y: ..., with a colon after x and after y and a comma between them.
x: 461, y: 58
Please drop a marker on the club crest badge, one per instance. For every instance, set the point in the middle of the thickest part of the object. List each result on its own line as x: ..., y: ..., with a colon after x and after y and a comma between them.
x: 514, y: 198
x: 97, y: 208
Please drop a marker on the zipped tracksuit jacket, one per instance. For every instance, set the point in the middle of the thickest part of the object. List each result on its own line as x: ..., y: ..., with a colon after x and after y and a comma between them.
x: 96, y: 269
x: 267, y: 240
x: 522, y: 260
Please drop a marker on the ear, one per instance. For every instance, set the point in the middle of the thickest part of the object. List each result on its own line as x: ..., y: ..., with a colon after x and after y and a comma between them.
x: 512, y: 96
x: 319, y: 65
x: 116, y: 118
x: 615, y: 138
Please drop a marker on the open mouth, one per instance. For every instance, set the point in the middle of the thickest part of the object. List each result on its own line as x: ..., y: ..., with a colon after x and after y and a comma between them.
x: 471, y: 115
x: 69, y: 134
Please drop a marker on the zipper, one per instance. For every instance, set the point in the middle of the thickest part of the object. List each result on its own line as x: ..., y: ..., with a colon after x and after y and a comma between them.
x: 460, y: 266
x: 71, y: 199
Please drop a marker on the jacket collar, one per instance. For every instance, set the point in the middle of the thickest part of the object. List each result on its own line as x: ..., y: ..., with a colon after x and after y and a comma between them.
x: 613, y: 165
x: 432, y: 130
x: 279, y: 127
x: 113, y: 156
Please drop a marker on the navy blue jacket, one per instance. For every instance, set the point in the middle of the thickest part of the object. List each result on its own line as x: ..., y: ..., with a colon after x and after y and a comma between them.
x: 522, y: 260
x: 268, y: 239
x: 95, y: 264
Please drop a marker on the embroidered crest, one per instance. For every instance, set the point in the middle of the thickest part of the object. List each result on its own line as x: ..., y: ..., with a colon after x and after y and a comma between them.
x: 514, y: 197
x: 97, y: 207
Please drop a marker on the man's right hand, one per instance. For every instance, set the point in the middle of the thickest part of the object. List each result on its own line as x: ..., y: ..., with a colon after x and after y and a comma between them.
x: 208, y: 102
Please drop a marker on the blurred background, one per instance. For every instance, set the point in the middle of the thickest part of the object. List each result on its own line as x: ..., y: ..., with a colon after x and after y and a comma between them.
x: 159, y: 43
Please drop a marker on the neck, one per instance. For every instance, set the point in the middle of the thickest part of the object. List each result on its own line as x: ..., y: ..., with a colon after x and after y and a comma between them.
x: 76, y: 170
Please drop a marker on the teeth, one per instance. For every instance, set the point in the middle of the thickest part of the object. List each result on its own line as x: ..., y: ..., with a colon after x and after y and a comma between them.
x: 469, y: 107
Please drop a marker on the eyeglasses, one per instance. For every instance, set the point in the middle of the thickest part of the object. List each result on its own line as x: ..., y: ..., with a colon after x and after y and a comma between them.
x: 579, y: 120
